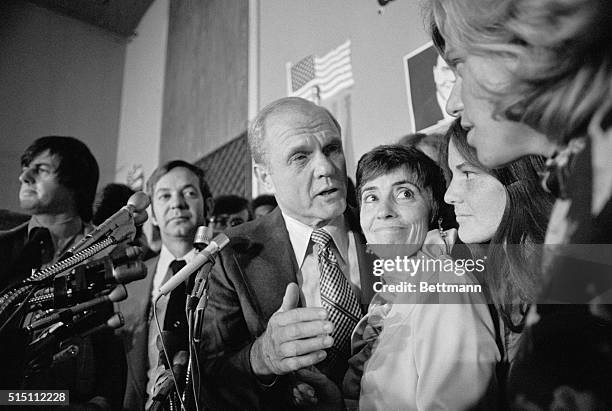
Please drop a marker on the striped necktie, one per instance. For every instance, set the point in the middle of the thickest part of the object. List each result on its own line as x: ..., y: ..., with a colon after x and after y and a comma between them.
x: 338, y: 299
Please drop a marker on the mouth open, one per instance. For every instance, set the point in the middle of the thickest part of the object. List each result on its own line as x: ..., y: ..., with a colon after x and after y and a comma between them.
x: 329, y: 192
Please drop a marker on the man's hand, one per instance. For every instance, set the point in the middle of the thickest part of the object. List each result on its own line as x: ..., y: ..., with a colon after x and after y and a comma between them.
x: 295, y: 338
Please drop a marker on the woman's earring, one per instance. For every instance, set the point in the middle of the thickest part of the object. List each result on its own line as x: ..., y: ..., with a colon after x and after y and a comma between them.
x: 440, y: 229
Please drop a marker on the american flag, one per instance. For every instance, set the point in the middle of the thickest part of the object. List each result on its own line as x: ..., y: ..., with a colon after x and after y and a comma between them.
x: 321, y: 77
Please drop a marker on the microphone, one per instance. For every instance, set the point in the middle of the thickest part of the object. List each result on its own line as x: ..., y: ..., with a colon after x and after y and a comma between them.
x: 119, y: 293
x: 179, y: 369
x: 207, y: 254
x: 128, y: 215
x: 88, y: 325
x: 85, y: 280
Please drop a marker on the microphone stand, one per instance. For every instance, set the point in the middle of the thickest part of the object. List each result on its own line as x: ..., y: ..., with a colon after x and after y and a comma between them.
x: 194, y: 325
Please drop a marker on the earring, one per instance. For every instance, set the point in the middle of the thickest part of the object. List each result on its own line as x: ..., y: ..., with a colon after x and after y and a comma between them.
x: 443, y: 235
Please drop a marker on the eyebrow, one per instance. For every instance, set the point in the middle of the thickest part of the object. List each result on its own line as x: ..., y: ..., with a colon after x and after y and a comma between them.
x: 397, y: 183
x: 463, y: 166
x: 170, y: 189
x: 42, y: 162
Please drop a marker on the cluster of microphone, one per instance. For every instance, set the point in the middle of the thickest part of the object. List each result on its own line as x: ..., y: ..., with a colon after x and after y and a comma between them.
x: 75, y: 297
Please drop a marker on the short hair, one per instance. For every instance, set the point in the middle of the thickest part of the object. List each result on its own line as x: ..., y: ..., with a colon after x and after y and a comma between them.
x: 230, y: 204
x: 257, y: 130
x: 562, y: 52
x: 78, y: 169
x: 264, y: 199
x: 165, y: 168
x: 512, y: 274
x: 109, y: 200
x: 387, y: 158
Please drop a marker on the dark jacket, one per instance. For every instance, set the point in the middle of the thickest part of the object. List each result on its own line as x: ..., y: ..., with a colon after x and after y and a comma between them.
x: 247, y: 286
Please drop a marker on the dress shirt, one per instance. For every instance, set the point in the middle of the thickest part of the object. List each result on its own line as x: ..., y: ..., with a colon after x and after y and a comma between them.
x: 160, y: 277
x: 308, y: 275
x: 64, y: 234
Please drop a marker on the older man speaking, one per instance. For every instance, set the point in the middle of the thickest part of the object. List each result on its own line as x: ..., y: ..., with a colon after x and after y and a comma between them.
x: 288, y: 292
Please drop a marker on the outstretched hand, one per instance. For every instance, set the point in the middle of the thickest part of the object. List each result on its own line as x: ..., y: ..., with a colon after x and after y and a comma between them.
x: 294, y: 338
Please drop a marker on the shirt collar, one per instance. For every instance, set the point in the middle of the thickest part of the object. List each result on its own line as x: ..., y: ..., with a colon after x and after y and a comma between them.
x: 63, y: 233
x: 166, y: 257
x: 299, y: 235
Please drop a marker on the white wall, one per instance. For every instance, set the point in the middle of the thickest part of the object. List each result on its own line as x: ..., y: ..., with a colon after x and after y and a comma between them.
x: 291, y: 30
x: 142, y: 98
x: 57, y: 76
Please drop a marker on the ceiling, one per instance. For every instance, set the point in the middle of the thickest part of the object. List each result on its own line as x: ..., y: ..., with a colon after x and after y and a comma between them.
x: 118, y: 16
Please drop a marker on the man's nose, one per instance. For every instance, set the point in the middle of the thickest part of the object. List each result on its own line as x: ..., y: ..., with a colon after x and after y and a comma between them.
x: 323, y: 165
x: 178, y: 201
x: 26, y: 175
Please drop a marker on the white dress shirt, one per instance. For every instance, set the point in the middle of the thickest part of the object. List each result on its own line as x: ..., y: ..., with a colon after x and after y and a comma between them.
x: 308, y: 275
x: 160, y: 277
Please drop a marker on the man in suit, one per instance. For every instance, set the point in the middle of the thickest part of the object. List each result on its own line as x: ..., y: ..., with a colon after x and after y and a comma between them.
x: 58, y: 186
x: 287, y: 293
x: 180, y: 201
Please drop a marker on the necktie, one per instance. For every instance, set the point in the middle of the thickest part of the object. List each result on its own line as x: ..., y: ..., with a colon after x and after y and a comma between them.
x: 175, y: 320
x: 174, y: 328
x: 338, y: 299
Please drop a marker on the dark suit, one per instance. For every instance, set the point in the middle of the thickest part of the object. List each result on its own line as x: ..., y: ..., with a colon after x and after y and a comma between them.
x: 247, y: 286
x: 11, y: 244
x: 135, y: 335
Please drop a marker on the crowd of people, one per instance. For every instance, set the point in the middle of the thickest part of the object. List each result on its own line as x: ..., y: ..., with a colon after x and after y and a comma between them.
x: 297, y: 315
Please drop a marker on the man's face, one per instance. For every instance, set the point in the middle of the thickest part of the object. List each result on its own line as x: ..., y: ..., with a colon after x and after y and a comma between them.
x: 223, y: 221
x: 443, y: 77
x: 394, y: 209
x: 41, y: 191
x: 178, y: 205
x: 497, y: 141
x: 305, y: 164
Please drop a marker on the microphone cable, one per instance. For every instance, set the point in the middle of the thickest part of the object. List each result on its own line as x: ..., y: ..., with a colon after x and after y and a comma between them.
x: 20, y: 307
x: 161, y: 338
x: 193, y: 357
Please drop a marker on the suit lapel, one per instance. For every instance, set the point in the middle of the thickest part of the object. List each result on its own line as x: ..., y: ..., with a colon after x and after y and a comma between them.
x: 262, y: 262
x: 135, y: 333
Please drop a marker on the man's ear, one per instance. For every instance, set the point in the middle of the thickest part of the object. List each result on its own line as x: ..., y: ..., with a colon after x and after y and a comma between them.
x: 209, y: 206
x: 263, y: 174
x: 152, y: 216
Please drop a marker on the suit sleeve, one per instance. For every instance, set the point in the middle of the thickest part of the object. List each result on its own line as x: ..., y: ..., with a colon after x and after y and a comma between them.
x: 231, y: 325
x: 225, y: 341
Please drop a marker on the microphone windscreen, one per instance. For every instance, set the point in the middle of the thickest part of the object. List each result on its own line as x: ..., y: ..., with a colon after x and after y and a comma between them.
x: 129, y: 272
x: 139, y: 201
x: 115, y: 321
x: 119, y: 293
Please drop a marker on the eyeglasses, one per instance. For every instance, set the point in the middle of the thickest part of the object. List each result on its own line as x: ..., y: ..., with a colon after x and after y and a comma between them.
x: 225, y: 220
